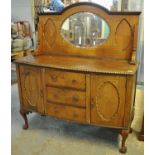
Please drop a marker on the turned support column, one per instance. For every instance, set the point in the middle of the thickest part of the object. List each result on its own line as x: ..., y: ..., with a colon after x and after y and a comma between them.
x: 124, y: 134
x: 24, y: 115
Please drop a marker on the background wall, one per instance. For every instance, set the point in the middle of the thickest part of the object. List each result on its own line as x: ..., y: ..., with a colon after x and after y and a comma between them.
x: 23, y: 10
x: 138, y: 5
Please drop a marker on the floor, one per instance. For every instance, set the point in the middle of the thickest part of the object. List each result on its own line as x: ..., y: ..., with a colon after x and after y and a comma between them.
x: 50, y: 136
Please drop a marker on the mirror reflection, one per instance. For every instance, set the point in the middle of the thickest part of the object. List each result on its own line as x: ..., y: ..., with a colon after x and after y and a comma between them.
x: 85, y: 29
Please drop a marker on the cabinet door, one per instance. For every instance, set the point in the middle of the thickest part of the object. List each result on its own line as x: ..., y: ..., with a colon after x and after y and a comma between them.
x: 31, y: 86
x: 108, y: 100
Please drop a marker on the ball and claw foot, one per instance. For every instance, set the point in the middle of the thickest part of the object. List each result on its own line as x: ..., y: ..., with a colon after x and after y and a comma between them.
x: 23, y: 114
x: 123, y: 149
x: 25, y: 126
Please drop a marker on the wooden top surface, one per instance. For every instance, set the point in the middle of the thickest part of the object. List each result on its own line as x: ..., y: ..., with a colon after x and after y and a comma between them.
x: 80, y: 64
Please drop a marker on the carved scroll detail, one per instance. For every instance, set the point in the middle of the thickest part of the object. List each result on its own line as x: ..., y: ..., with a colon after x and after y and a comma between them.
x: 107, y: 96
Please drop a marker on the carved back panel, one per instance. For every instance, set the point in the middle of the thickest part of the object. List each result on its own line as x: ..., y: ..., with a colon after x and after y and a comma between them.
x: 120, y: 44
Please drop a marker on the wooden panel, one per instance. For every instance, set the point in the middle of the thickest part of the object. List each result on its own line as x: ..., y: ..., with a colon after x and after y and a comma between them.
x: 117, y: 46
x: 107, y: 94
x: 31, y: 88
x: 107, y: 100
x: 49, y: 32
x: 66, y: 112
x: 123, y: 35
x: 66, y: 96
x: 65, y: 79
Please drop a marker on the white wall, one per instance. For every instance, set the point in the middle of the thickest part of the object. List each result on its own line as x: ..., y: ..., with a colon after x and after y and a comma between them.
x: 21, y: 10
x: 138, y: 5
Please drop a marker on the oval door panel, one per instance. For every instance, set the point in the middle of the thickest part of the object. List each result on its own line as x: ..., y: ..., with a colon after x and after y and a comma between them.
x: 107, y: 96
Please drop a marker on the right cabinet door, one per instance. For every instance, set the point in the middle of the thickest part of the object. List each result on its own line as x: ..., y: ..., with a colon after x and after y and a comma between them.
x: 108, y: 100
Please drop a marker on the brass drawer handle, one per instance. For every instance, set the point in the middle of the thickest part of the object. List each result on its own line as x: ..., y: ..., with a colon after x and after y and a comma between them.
x: 75, y: 98
x: 54, y: 77
x: 74, y: 81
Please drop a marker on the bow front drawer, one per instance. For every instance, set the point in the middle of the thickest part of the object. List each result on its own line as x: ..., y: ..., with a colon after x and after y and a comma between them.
x: 65, y: 79
x: 66, y: 112
x: 66, y: 96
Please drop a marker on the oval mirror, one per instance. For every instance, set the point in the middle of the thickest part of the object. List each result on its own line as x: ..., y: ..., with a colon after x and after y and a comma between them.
x: 85, y: 29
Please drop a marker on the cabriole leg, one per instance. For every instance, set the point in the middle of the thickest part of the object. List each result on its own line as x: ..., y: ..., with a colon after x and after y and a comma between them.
x: 24, y: 115
x: 124, y: 134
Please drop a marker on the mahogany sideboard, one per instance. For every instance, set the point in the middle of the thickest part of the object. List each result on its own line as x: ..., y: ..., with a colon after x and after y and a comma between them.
x: 88, y: 80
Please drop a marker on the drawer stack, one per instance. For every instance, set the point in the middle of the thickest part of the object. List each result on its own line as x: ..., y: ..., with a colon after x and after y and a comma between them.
x: 65, y: 95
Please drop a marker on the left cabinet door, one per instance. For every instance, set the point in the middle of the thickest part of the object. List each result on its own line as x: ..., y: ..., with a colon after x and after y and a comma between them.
x: 31, y: 88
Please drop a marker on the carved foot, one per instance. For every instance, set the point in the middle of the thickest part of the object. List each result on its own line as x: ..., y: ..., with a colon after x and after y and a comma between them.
x: 124, y: 134
x: 140, y: 137
x: 123, y: 149
x: 23, y: 114
x: 141, y: 133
